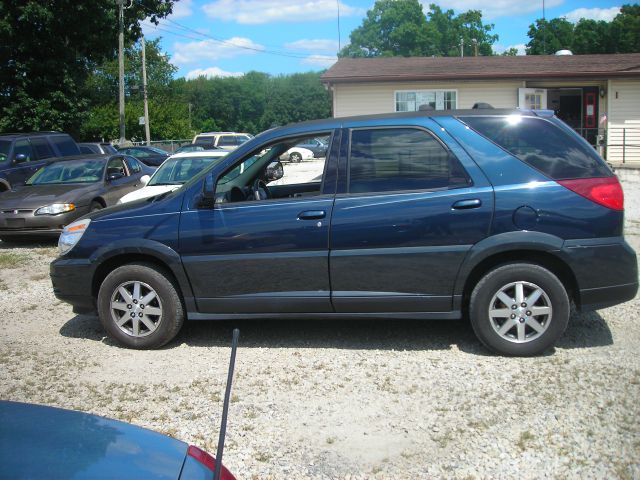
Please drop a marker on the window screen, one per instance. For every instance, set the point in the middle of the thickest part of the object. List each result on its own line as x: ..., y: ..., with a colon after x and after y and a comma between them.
x: 541, y: 145
x: 392, y: 159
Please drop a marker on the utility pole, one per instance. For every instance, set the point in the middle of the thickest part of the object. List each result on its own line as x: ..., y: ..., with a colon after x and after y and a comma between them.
x: 190, y: 116
x: 144, y: 93
x: 121, y: 67
x: 475, y: 46
x: 544, y: 31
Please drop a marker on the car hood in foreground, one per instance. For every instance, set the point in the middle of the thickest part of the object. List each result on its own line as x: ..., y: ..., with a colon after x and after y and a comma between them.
x: 34, y: 196
x: 148, y: 191
x: 45, y: 442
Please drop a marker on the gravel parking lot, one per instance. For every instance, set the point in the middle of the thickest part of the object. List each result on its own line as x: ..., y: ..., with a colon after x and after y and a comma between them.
x: 335, y: 399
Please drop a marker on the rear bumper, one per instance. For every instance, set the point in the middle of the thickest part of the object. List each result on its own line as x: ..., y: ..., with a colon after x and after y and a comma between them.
x: 71, y: 280
x: 606, y: 271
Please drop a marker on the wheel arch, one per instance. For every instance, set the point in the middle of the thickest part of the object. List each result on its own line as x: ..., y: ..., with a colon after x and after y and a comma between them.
x: 100, y: 200
x: 5, y: 186
x: 519, y: 246
x: 169, y: 266
x: 545, y: 259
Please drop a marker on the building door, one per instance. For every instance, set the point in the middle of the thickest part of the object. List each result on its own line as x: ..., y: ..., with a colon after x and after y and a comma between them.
x: 532, y: 98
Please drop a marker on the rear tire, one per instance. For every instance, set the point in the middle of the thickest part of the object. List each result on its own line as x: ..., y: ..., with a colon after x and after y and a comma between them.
x: 519, y: 309
x: 140, y: 307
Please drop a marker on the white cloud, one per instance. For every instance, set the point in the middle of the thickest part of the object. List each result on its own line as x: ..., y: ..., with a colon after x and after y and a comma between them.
x: 519, y: 46
x: 211, y: 72
x: 606, y: 14
x: 495, y: 8
x: 255, y: 12
x: 323, y: 61
x: 210, y: 50
x: 182, y: 9
x: 315, y: 45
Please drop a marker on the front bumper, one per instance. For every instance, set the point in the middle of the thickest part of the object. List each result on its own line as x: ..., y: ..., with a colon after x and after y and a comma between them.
x: 72, y: 283
x: 26, y: 224
x: 606, y: 271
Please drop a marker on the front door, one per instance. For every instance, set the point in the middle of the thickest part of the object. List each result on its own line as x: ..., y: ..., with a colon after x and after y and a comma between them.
x: 264, y: 246
x: 409, y: 214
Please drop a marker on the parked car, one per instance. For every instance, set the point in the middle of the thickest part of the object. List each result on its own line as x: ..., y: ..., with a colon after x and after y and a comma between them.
x: 69, y: 444
x: 63, y: 191
x: 22, y: 154
x: 151, y: 156
x: 316, y: 145
x: 224, y: 140
x: 100, y: 148
x: 297, y: 154
x: 504, y: 216
x: 177, y: 170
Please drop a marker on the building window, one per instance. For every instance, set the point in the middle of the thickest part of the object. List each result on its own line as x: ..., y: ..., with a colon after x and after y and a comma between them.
x: 437, y: 99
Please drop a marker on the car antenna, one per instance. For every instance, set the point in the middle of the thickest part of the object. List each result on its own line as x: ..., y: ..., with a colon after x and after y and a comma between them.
x: 225, y: 405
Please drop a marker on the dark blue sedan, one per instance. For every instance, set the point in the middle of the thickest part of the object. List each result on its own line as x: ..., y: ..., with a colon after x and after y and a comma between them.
x: 44, y: 442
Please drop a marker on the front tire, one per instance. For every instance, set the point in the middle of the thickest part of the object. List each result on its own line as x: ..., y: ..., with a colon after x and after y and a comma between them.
x: 140, y: 307
x: 519, y: 309
x: 295, y: 157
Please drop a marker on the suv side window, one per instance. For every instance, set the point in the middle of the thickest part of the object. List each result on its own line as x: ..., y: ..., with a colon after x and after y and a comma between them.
x: 541, y: 145
x: 23, y: 147
x: 393, y: 159
x: 42, y: 148
x: 227, y: 141
x: 65, y: 145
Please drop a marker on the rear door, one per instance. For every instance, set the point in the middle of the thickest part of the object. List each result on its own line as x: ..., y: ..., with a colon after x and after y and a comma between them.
x: 410, y: 204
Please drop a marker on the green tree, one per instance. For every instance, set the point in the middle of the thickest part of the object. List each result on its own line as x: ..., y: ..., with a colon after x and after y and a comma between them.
x: 390, y: 28
x: 591, y: 36
x: 48, y: 49
x: 549, y: 36
x: 102, y: 83
x: 400, y: 28
x: 510, y: 52
x: 625, y: 29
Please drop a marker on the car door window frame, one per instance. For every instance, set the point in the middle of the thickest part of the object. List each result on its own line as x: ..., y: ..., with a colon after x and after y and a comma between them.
x: 344, y: 170
x: 325, y: 188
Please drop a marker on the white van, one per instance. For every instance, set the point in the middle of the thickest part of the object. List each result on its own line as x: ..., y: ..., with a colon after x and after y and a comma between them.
x: 224, y: 140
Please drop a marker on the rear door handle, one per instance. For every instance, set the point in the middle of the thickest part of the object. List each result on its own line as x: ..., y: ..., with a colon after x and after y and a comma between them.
x: 466, y: 204
x: 312, y: 215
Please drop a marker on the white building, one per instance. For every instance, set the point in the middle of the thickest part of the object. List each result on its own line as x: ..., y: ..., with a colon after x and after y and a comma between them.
x: 595, y: 94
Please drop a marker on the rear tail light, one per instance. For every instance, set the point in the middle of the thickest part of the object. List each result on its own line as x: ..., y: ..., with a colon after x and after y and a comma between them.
x: 603, y: 191
x: 208, y: 461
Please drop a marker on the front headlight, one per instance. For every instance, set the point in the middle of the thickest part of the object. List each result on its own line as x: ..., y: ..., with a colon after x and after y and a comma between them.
x: 55, y: 209
x: 71, y: 234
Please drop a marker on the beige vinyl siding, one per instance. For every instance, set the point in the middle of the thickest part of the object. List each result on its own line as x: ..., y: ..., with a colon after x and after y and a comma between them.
x: 369, y: 98
x: 623, y: 121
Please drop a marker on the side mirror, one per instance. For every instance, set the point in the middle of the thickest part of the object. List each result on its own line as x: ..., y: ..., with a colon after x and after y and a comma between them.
x: 145, y: 179
x: 20, y: 158
x: 207, y: 198
x: 114, y: 176
x: 274, y: 171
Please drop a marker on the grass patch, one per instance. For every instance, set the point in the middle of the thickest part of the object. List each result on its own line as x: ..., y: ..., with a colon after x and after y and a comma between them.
x: 525, y: 439
x: 12, y: 260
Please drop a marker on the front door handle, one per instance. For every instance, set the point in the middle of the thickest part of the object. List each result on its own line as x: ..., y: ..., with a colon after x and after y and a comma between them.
x: 466, y: 204
x: 312, y: 215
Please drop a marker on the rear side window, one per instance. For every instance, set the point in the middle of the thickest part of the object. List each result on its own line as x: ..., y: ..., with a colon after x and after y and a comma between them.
x: 227, y: 141
x: 541, y: 145
x: 42, y: 148
x: 132, y: 163
x: 65, y: 145
x: 392, y: 159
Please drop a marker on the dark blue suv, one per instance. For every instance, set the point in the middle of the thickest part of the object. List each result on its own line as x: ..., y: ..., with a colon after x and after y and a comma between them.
x: 23, y: 154
x: 504, y: 216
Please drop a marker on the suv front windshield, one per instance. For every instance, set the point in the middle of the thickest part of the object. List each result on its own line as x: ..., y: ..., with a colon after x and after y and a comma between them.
x: 76, y: 171
x: 177, y: 171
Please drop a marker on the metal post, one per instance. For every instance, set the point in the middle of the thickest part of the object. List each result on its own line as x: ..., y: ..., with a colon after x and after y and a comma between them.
x: 461, y: 48
x: 121, y: 68
x: 144, y: 92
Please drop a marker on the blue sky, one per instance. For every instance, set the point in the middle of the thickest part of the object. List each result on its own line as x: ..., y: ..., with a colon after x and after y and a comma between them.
x: 231, y: 37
